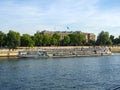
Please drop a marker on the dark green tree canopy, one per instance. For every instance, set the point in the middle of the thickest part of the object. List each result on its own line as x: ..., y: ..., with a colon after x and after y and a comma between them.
x: 55, y: 39
x: 91, y: 43
x: 117, y: 41
x: 77, y: 39
x: 38, y: 38
x: 2, y: 39
x: 27, y: 40
x: 66, y: 40
x: 13, y: 39
x: 104, y: 39
x: 46, y: 40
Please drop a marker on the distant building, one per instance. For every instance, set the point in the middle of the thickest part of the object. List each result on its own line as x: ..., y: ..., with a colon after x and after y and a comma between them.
x: 88, y: 36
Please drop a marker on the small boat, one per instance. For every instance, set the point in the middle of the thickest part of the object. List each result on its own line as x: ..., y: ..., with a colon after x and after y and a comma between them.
x: 33, y: 53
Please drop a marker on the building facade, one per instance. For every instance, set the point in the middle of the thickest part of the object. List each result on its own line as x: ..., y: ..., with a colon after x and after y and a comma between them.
x: 88, y: 36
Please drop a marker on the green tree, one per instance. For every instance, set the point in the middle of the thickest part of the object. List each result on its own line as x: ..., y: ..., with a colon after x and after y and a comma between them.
x: 112, y: 39
x: 117, y: 41
x: 81, y: 38
x: 2, y: 39
x: 55, y: 40
x: 66, y: 40
x: 109, y: 42
x: 103, y: 39
x: 38, y: 38
x: 13, y: 39
x: 46, y: 40
x: 27, y: 41
x: 77, y: 39
x: 91, y: 42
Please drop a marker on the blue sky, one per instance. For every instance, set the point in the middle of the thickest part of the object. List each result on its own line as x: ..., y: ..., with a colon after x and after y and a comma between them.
x: 28, y: 16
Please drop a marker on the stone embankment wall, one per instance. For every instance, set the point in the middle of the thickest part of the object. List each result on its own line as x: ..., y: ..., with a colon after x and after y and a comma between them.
x: 115, y: 49
x: 77, y: 51
x: 8, y: 53
x: 112, y: 48
x: 61, y: 51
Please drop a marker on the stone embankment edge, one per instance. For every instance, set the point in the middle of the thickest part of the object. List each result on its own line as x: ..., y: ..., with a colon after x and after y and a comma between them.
x: 14, y: 53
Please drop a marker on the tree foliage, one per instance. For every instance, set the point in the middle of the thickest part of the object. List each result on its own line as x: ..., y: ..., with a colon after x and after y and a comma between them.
x: 116, y: 41
x: 103, y: 39
x: 27, y: 41
x: 66, y: 40
x: 112, y: 38
x: 13, y: 39
x: 55, y: 39
x: 38, y: 38
x: 46, y: 40
x: 2, y: 39
x: 91, y: 43
x: 77, y: 39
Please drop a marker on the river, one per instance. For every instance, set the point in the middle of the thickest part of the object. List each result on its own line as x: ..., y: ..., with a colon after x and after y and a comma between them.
x: 76, y: 73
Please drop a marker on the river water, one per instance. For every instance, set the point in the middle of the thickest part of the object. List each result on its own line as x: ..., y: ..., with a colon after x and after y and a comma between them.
x: 77, y: 73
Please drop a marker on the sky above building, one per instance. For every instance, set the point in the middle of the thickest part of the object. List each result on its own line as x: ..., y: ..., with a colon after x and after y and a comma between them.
x: 28, y: 16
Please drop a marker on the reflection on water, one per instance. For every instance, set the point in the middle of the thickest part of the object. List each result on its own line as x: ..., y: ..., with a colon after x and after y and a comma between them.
x: 80, y: 73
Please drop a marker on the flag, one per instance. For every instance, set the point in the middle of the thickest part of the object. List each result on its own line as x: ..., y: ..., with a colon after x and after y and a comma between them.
x: 68, y: 28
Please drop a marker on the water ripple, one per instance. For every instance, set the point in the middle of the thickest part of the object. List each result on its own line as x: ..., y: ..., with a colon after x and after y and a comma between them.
x: 85, y: 73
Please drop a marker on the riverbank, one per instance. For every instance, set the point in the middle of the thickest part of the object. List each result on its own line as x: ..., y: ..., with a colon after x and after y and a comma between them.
x: 115, y: 49
x: 8, y: 53
x: 62, y: 51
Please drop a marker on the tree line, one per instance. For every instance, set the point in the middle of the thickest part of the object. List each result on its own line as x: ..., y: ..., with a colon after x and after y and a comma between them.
x: 13, y: 39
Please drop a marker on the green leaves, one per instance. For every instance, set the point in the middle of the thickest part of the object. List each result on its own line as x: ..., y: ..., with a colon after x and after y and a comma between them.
x: 77, y: 39
x: 66, y: 40
x: 55, y: 39
x: 115, y: 41
x: 2, y: 39
x: 27, y: 41
x: 46, y: 40
x: 104, y: 39
x: 38, y: 38
x: 13, y: 39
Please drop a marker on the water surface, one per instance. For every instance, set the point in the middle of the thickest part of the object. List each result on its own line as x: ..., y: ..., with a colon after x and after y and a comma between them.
x: 78, y: 73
